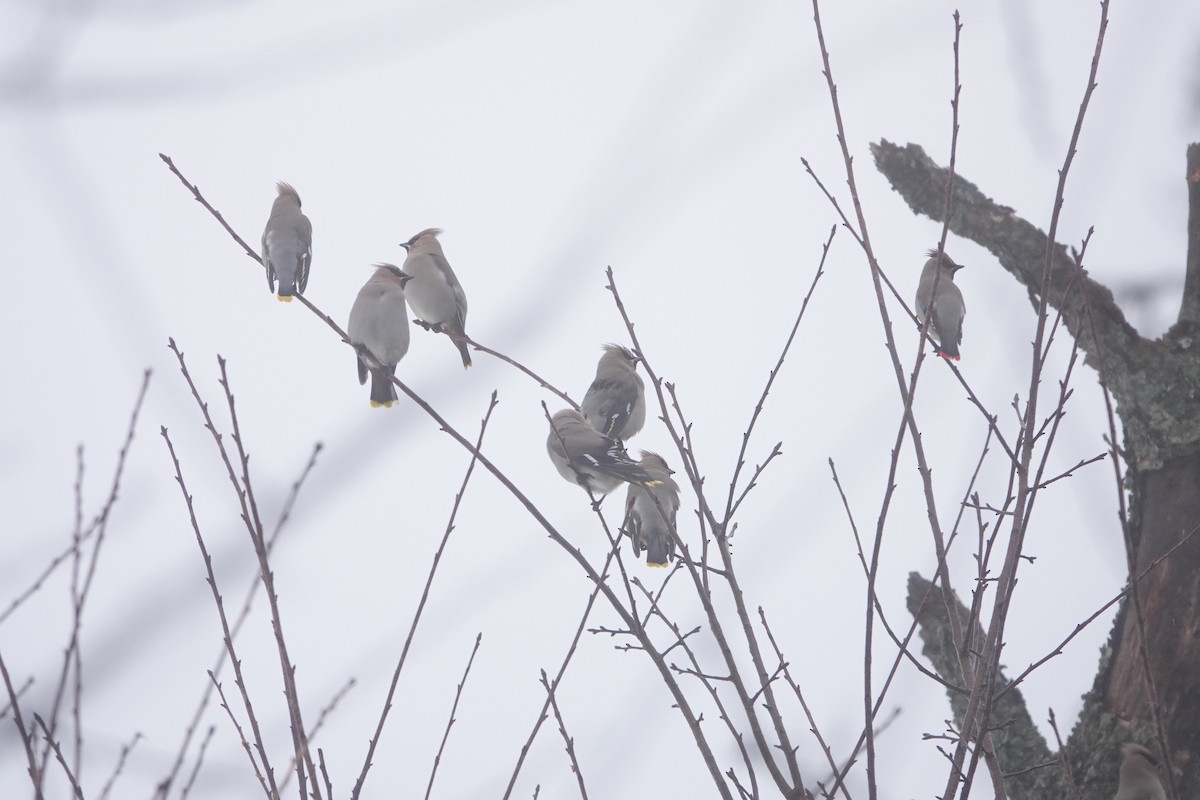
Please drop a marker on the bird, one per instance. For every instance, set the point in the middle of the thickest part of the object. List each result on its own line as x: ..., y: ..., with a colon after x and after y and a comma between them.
x: 435, y: 295
x: 1139, y: 775
x: 615, y: 403
x: 378, y: 325
x: 588, y: 458
x: 947, y: 306
x: 650, y: 512
x: 287, y: 244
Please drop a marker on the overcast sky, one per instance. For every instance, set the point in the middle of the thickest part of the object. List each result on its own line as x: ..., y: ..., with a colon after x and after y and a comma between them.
x: 549, y: 141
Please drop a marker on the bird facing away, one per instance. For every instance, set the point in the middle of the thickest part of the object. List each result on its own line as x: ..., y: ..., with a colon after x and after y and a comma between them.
x: 435, y: 295
x: 588, y: 458
x: 947, y: 304
x: 649, y: 527
x: 287, y: 244
x: 1139, y: 775
x: 379, y: 325
x: 615, y: 403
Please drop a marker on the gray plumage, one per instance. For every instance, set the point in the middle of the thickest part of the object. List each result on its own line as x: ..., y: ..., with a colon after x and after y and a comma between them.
x: 1139, y: 775
x: 649, y: 527
x: 435, y: 295
x: 615, y: 403
x: 588, y: 458
x: 947, y: 306
x: 287, y: 244
x: 379, y: 325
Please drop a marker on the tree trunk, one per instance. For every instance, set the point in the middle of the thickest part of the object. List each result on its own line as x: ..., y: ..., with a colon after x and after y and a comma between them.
x: 1156, y: 385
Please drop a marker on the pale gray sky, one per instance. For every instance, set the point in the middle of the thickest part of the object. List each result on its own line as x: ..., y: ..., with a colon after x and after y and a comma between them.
x: 549, y: 140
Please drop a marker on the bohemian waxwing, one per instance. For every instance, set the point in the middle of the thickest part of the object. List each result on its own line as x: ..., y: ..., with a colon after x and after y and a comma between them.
x: 379, y: 325
x: 615, y: 403
x: 645, y: 524
x: 948, y: 306
x: 1139, y: 775
x: 287, y: 244
x: 588, y: 458
x: 435, y: 295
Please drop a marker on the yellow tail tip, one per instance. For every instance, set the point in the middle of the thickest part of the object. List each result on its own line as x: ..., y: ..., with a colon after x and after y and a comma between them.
x: 283, y: 298
x: 388, y: 404
x: 657, y: 566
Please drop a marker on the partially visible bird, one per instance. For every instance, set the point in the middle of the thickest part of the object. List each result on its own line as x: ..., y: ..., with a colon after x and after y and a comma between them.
x: 615, y: 403
x: 650, y: 512
x: 435, y: 295
x: 287, y: 244
x: 588, y: 458
x: 947, y: 305
x: 1139, y: 775
x: 379, y: 325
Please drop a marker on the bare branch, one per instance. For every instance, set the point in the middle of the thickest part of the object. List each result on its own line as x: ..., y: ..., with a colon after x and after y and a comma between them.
x: 437, y: 759
x: 412, y: 628
x: 51, y: 742
x: 116, y: 773
x: 570, y: 742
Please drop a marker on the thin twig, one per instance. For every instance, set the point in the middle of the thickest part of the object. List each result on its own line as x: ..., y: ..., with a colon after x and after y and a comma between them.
x: 1072, y: 787
x: 412, y: 629
x: 26, y: 735
x: 271, y: 791
x: 53, y: 744
x: 80, y: 594
x: 254, y: 527
x: 562, y: 728
x: 321, y: 717
x: 285, y: 513
x: 126, y: 749
x: 437, y: 759
x: 187, y: 787
x: 730, y: 505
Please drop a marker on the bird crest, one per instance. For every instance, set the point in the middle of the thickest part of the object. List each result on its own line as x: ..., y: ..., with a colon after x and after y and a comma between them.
x: 286, y: 190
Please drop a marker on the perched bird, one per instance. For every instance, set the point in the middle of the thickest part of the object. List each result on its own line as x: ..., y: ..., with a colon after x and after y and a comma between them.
x: 1139, y: 775
x: 649, y: 527
x: 287, y: 244
x: 588, y: 458
x: 947, y: 305
x: 379, y: 325
x: 615, y: 403
x: 435, y: 294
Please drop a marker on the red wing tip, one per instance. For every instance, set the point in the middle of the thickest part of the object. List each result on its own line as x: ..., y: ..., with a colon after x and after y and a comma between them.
x: 949, y: 357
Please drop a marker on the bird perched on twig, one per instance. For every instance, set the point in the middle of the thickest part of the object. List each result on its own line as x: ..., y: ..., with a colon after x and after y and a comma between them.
x: 287, y: 244
x: 615, y: 403
x: 378, y: 325
x: 435, y: 295
x: 650, y: 512
x: 588, y: 458
x: 946, y: 304
x: 1139, y: 775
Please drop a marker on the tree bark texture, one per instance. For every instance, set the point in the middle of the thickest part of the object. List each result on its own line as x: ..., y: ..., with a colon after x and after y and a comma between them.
x: 1156, y: 385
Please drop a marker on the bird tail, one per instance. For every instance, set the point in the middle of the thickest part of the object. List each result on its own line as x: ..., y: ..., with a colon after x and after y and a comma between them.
x: 949, y: 351
x: 383, y: 393
x: 657, y: 554
x: 464, y: 352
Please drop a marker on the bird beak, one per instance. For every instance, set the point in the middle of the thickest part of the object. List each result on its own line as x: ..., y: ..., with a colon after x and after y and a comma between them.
x: 405, y: 245
x: 404, y: 278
